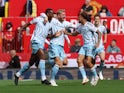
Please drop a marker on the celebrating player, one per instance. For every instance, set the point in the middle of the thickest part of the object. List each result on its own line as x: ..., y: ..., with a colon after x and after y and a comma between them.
x: 100, y: 50
x: 86, y: 29
x: 56, y: 48
x: 37, y: 43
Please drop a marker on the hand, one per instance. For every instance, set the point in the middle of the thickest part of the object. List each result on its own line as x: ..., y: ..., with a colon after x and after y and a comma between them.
x: 104, y: 42
x: 58, y: 33
x: 65, y: 32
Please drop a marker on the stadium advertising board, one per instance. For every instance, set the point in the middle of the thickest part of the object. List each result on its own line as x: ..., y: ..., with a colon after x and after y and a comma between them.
x: 111, y: 61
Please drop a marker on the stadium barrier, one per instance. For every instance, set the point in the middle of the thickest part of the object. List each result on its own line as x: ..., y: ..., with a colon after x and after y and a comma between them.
x: 63, y: 74
x: 111, y: 60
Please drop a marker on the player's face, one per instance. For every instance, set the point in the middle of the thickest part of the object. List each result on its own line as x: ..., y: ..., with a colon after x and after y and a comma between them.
x: 50, y: 14
x: 97, y: 20
x: 80, y: 18
x: 62, y: 16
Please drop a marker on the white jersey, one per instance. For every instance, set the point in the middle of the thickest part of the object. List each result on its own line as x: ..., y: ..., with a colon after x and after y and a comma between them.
x: 87, y: 31
x: 58, y: 26
x: 41, y: 30
x: 102, y: 29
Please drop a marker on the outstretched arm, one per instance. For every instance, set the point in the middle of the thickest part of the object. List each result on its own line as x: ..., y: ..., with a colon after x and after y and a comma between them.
x: 75, y: 33
x: 24, y: 26
x: 58, y: 33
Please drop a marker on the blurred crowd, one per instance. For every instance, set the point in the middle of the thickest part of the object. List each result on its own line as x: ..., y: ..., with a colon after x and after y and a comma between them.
x: 12, y: 38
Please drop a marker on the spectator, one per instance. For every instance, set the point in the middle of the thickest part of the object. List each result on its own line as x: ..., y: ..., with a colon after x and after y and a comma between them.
x: 15, y: 61
x: 121, y: 11
x: 76, y: 47
x: 104, y: 12
x: 107, y: 29
x: 87, y: 8
x: 113, y: 47
x: 8, y: 37
x: 2, y: 7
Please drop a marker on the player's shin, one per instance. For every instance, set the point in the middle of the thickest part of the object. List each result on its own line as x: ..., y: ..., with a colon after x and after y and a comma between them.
x: 54, y: 71
x: 93, y: 70
x: 83, y: 73
x: 42, y: 69
x: 101, y: 66
x: 23, y: 69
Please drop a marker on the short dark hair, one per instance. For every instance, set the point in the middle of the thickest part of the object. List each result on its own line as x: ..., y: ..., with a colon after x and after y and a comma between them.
x: 48, y: 10
x: 104, y: 7
x: 97, y: 15
x: 84, y: 15
x: 114, y: 40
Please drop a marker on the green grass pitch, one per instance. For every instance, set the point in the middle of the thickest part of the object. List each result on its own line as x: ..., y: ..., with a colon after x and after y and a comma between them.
x: 65, y: 86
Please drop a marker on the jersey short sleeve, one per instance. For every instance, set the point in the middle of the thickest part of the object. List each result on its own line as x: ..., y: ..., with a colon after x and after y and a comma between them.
x: 35, y: 20
x: 78, y: 28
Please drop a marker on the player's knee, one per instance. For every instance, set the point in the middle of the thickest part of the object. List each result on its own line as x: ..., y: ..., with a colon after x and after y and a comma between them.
x: 57, y: 59
x: 58, y: 62
x: 79, y: 61
x: 89, y: 63
x: 65, y: 62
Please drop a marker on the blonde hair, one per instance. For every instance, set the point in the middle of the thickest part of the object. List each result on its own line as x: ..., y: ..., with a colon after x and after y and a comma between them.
x: 60, y: 11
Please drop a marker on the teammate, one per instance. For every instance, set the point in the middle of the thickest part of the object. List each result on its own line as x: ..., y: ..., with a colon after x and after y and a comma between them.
x: 56, y: 52
x: 100, y: 50
x: 37, y: 42
x: 86, y: 29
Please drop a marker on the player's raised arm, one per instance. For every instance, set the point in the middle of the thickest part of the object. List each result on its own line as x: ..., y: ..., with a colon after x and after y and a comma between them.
x: 42, y: 18
x: 24, y: 26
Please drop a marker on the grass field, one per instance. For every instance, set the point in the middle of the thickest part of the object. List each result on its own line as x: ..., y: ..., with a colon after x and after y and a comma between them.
x: 65, y: 86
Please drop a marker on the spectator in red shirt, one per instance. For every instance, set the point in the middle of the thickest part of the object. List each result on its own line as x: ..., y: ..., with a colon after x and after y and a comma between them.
x: 8, y: 37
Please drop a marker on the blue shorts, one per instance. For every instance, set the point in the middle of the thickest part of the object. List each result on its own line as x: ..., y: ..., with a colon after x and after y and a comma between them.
x: 56, y: 51
x: 87, y: 51
x: 36, y: 46
x: 99, y: 50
